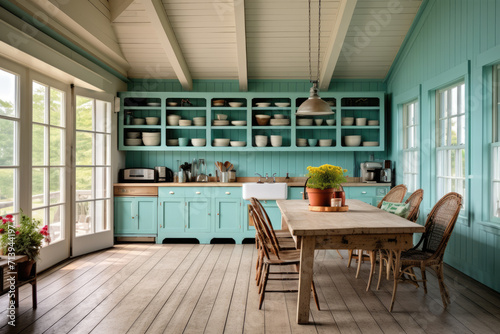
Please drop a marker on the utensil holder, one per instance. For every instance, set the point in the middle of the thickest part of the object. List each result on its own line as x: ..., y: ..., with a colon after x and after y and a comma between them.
x: 224, y: 177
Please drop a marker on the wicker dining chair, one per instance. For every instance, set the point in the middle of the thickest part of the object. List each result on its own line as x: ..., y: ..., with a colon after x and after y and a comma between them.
x: 429, y: 251
x: 384, y: 255
x: 273, y: 256
x: 395, y: 195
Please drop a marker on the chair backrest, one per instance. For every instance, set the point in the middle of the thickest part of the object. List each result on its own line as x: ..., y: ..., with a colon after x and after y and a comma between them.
x: 415, y: 199
x: 264, y: 243
x: 440, y: 224
x: 266, y: 221
x: 395, y: 195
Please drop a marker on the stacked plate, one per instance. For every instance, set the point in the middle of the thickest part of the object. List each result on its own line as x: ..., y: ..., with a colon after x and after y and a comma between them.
x: 239, y: 123
x: 154, y: 104
x: 151, y: 138
x: 218, y: 103
x: 370, y: 143
x: 280, y: 122
x: 221, y: 123
x: 185, y: 122
x: 199, y: 121
x: 263, y: 104
x: 133, y: 141
x: 282, y: 104
x: 133, y: 135
x: 373, y: 122
x: 301, y: 142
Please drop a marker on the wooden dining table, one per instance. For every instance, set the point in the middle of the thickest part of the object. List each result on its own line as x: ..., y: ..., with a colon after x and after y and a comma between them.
x: 363, y: 226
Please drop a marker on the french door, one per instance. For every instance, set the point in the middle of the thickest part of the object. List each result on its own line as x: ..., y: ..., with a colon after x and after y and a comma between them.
x: 93, y: 214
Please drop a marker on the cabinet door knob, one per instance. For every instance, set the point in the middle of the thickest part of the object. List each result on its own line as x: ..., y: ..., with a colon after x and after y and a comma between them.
x: 363, y: 192
x: 209, y: 213
x: 160, y: 226
x: 171, y: 193
x: 133, y: 217
x: 301, y: 192
x: 217, y: 213
x: 228, y: 193
x: 198, y: 192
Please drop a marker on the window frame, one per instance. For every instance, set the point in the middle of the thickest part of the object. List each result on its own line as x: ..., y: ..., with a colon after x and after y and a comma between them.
x: 495, y: 147
x: 405, y: 150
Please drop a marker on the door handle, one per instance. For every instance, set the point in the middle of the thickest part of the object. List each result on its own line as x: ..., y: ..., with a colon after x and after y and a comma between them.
x: 363, y: 192
x: 171, y: 193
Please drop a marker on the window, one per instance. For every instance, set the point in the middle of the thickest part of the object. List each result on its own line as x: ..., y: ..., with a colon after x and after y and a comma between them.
x: 411, y: 150
x: 48, y: 158
x: 93, y: 165
x: 495, y: 146
x: 450, y: 140
x: 9, y: 137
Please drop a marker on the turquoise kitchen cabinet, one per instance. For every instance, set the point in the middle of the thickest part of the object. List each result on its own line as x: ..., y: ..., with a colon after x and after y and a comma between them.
x: 295, y: 192
x: 198, y: 215
x: 227, y: 215
x: 170, y: 216
x: 135, y: 216
x: 371, y: 194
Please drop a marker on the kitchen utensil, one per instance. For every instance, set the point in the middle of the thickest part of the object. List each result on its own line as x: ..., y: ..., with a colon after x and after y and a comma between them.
x: 227, y: 164
x: 224, y: 177
x: 194, y: 170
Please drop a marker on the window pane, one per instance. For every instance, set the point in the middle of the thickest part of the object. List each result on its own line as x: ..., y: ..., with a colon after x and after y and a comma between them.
x: 84, y: 212
x: 454, y: 131
x: 7, y: 188
x: 8, y: 94
x: 84, y: 179
x: 103, y: 119
x: 102, y: 178
x: 496, y: 199
x: 38, y: 142
x: 39, y: 215
x: 37, y: 187
x: 84, y: 113
x: 84, y: 148
x: 108, y: 150
x: 57, y: 185
x: 101, y: 148
x: 101, y: 215
x: 7, y: 138
x: 56, y: 226
x: 56, y: 146
x: 56, y: 107
x: 39, y: 103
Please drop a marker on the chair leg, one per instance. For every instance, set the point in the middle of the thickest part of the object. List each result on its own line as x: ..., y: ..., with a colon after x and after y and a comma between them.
x: 372, y: 268
x: 33, y: 294
x: 424, y: 278
x: 259, y: 271
x: 445, y: 297
x: 380, y: 267
x: 339, y: 254
x: 397, y: 273
x: 350, y: 258
x: 315, y: 295
x: 360, y: 259
x: 262, y: 277
x: 263, y: 285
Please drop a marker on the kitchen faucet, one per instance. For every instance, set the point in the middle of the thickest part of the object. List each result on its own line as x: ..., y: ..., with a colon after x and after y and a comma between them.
x: 260, y: 176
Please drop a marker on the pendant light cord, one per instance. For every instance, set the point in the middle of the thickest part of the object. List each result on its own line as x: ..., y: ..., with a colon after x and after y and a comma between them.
x: 319, y: 42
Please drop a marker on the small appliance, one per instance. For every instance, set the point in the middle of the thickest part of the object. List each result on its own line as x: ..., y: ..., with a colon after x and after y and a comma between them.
x: 370, y: 171
x: 164, y: 174
x: 386, y: 172
x: 138, y: 175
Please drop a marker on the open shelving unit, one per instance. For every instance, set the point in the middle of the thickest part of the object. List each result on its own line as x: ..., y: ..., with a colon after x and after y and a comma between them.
x: 368, y: 105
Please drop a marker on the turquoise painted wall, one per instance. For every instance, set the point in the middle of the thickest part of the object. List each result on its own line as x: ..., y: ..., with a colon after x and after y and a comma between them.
x: 247, y: 164
x: 453, y: 40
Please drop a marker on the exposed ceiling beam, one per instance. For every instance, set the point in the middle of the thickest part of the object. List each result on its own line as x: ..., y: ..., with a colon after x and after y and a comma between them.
x: 337, y: 37
x: 161, y: 24
x: 241, y: 43
x: 117, y: 7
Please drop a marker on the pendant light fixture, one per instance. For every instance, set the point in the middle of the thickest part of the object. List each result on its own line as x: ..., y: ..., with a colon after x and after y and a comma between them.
x: 314, y: 105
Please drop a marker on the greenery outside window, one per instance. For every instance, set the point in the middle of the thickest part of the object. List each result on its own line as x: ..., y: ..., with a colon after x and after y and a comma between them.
x: 9, y: 137
x: 495, y: 146
x: 411, y: 149
x: 450, y: 140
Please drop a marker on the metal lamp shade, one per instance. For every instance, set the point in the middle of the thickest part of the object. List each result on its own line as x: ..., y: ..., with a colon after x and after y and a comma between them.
x: 314, y: 105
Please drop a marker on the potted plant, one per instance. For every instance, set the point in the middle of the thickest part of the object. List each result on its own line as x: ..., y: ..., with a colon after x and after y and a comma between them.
x: 25, y: 238
x: 322, y: 183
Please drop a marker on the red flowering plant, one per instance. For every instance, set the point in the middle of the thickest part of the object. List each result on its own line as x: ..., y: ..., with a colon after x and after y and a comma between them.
x: 25, y: 238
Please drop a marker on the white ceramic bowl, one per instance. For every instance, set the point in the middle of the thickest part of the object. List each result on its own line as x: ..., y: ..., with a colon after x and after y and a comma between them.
x: 221, y: 141
x: 354, y: 140
x: 330, y: 122
x: 318, y: 121
x: 304, y: 121
x: 263, y: 104
x: 185, y: 122
x: 133, y: 134
x: 138, y: 121
x: 154, y: 104
x: 199, y: 121
x: 373, y: 122
x: 173, y: 120
x: 262, y: 119
x: 151, y: 141
x: 198, y: 141
x: 282, y: 104
x: 370, y: 143
x: 347, y: 121
x: 172, y: 104
x: 238, y: 143
x: 221, y: 117
x: 276, y: 141
x: 279, y: 116
x: 280, y: 122
x: 152, y: 120
x: 325, y: 142
x: 361, y: 121
x: 301, y: 142
x: 221, y: 123
x: 151, y: 134
x: 172, y: 142
x: 239, y: 123
x: 133, y: 142
x: 235, y: 104
x: 260, y: 141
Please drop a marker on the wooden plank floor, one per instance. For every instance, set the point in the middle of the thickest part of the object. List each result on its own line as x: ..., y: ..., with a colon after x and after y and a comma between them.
x: 147, y: 288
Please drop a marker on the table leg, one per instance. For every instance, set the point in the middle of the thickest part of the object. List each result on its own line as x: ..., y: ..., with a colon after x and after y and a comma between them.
x: 305, y: 279
x: 284, y: 225
x: 397, y: 274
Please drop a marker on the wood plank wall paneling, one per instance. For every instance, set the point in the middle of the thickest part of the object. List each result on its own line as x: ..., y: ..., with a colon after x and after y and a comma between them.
x: 448, y: 34
x: 249, y: 163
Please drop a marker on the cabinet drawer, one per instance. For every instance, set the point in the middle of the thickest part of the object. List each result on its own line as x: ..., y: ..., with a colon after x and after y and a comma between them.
x: 360, y: 192
x: 171, y: 192
x: 295, y: 192
x: 197, y: 191
x: 135, y: 191
x: 227, y: 192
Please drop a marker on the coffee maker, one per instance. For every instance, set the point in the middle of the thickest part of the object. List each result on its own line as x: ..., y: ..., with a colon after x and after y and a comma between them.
x: 370, y: 171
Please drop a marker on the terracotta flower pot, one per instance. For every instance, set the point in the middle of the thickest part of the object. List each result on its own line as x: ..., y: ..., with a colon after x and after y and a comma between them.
x: 318, y: 197
x: 24, y: 269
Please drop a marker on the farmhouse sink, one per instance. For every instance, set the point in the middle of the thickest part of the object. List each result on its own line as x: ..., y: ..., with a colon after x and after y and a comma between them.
x: 265, y: 191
